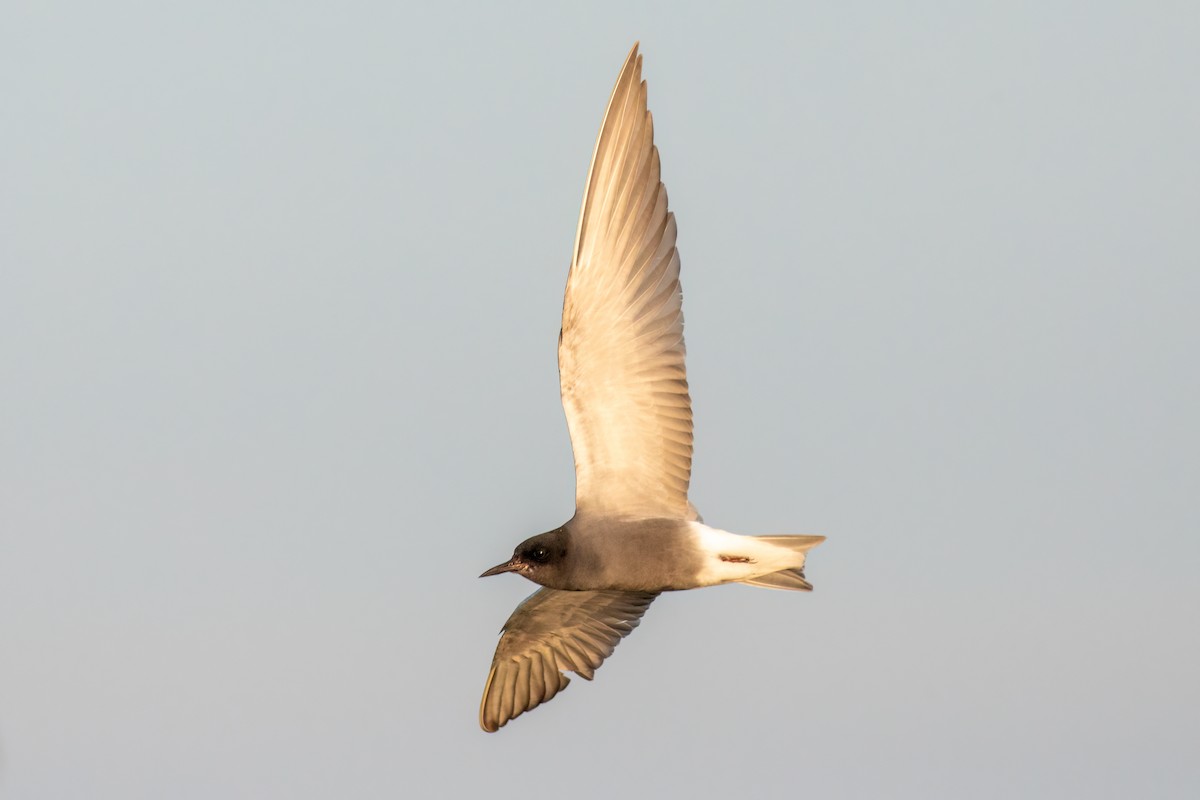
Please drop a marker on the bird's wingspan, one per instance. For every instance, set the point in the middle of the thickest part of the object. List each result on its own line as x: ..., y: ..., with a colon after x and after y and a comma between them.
x: 621, y: 352
x: 552, y: 631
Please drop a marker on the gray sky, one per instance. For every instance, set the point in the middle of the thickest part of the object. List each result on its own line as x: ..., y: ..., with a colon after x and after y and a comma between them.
x: 279, y: 296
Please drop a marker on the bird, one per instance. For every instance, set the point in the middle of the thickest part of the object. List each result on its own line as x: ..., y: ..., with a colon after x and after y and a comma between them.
x: 625, y: 394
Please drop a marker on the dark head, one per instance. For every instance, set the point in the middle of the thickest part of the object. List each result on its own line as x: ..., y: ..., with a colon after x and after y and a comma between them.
x: 541, y: 558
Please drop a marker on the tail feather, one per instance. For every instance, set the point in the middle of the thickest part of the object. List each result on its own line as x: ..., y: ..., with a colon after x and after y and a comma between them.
x: 792, y: 578
x: 799, y: 543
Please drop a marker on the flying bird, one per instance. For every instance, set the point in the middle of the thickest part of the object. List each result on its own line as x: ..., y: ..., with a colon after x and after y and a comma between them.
x: 624, y: 389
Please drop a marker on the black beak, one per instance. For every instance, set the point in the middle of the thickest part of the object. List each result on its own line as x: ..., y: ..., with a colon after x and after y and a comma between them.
x: 511, y: 565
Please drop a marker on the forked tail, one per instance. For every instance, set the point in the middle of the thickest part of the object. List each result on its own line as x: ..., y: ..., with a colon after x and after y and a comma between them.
x: 792, y: 578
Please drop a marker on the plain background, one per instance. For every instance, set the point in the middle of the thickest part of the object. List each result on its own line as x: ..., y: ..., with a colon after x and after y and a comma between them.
x: 280, y: 287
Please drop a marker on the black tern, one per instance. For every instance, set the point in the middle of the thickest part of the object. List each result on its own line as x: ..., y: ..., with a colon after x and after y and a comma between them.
x: 625, y: 392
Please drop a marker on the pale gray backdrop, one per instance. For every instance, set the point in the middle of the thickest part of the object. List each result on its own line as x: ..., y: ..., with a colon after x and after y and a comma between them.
x: 280, y: 287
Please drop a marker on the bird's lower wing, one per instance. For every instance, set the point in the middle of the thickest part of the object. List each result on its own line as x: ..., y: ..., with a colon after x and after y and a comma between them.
x: 550, y: 632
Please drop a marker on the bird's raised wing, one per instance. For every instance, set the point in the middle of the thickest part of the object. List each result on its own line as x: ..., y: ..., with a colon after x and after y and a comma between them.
x: 621, y: 353
x: 552, y: 631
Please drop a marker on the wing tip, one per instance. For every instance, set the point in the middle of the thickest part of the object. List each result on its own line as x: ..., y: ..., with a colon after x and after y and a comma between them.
x: 493, y: 716
x: 633, y: 67
x: 486, y: 721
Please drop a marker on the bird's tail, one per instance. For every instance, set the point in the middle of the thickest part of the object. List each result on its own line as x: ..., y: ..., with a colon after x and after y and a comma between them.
x: 791, y: 578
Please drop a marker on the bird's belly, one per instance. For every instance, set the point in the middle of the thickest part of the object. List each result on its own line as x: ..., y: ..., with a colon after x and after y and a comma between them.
x: 666, y: 555
x: 642, y: 556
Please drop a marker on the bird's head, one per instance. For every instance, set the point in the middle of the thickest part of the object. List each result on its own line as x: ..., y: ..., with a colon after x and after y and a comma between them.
x: 539, y: 558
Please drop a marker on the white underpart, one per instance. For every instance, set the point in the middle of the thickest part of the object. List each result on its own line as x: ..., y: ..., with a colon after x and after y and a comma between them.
x: 764, y: 557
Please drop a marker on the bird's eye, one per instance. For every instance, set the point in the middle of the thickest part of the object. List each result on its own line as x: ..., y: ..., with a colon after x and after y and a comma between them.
x: 540, y: 554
